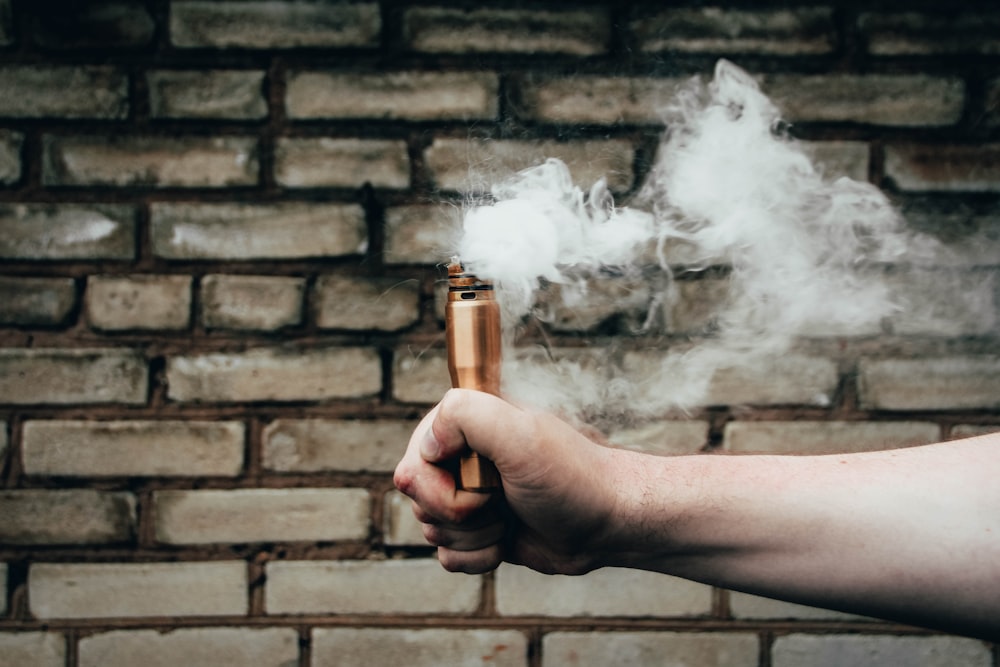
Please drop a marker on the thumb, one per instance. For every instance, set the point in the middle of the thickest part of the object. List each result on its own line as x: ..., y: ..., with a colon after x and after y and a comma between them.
x: 466, y: 418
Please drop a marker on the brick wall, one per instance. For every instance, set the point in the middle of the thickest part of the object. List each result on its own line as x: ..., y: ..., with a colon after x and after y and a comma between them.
x: 220, y: 314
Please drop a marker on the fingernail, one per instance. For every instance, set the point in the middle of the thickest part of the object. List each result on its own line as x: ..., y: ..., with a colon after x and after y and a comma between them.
x: 430, y: 448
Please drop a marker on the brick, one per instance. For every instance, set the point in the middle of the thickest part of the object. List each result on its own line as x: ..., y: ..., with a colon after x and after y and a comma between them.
x: 162, y: 162
x: 246, y: 24
x: 358, y: 647
x: 3, y: 566
x: 598, y: 302
x: 461, y: 165
x: 605, y: 592
x: 870, y: 650
x: 663, y: 437
x: 36, y: 301
x: 257, y: 231
x: 411, y: 95
x: 718, y: 30
x: 970, y: 239
x: 95, y: 25
x: 10, y: 156
x: 992, y: 112
x: 815, y: 437
x: 368, y: 587
x: 744, y: 606
x: 399, y: 525
x: 381, y: 304
x: 583, y: 32
x: 972, y: 430
x: 32, y: 649
x: 3, y: 454
x: 646, y: 649
x: 132, y: 448
x: 593, y: 100
x: 36, y: 91
x: 67, y: 231
x: 323, y: 445
x: 261, y: 515
x: 86, y: 376
x: 421, y: 234
x: 935, y: 383
x: 117, y: 303
x: 194, y: 647
x: 273, y: 374
x: 78, y: 516
x: 207, y: 94
x: 945, y: 302
x: 420, y: 378
x: 564, y: 380
x: 80, y: 590
x: 696, y: 305
x: 873, y: 99
x: 834, y: 159
x: 937, y: 33
x: 949, y: 168
x: 345, y: 163
x: 257, y: 303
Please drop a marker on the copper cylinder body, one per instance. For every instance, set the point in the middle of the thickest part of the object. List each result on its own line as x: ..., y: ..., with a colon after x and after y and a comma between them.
x: 472, y: 325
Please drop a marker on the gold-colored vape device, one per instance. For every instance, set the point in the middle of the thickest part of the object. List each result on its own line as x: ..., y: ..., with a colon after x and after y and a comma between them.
x: 472, y: 326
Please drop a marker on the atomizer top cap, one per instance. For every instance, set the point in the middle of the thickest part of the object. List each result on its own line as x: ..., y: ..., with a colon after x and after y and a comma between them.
x: 461, y: 280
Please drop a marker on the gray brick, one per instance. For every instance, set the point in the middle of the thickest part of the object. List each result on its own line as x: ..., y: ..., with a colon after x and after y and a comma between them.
x: 802, y: 650
x: 368, y: 587
x: 950, y: 168
x: 577, y: 32
x: 721, y: 30
x: 257, y: 231
x: 193, y: 647
x: 420, y: 378
x: 3, y: 566
x: 258, y: 303
x: 945, y: 302
x: 228, y: 94
x: 322, y: 445
x: 816, y: 437
x: 138, y: 302
x: 36, y: 301
x: 409, y: 95
x: 421, y: 234
x: 597, y: 100
x: 134, y: 448
x: 663, y: 437
x: 86, y: 376
x: 834, y: 159
x: 583, y: 306
x: 399, y: 525
x: 67, y: 231
x: 80, y: 590
x: 696, y: 305
x: 931, y: 33
x: 273, y: 374
x: 382, y: 304
x: 344, y: 163
x: 971, y: 239
x: 359, y: 647
x: 744, y: 606
x: 78, y: 516
x: 32, y: 649
x: 972, y: 430
x: 646, y: 649
x: 938, y: 383
x: 108, y: 24
x: 246, y: 24
x: 10, y: 156
x: 165, y: 162
x: 261, y: 515
x: 36, y: 91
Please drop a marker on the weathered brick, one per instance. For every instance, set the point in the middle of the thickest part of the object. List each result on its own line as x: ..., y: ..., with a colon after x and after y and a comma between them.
x: 744, y: 606
x: 696, y: 305
x: 421, y: 234
x: 259, y: 303
x: 721, y: 30
x: 585, y: 305
x: 645, y: 649
x: 32, y: 649
x: 36, y: 301
x: 345, y: 163
x: 931, y: 33
x: 67, y: 231
x: 257, y: 231
x: 937, y: 383
x: 228, y: 94
x: 597, y: 100
x: 10, y: 156
x: 663, y: 437
x: 320, y: 445
x: 972, y: 430
x: 397, y: 95
x: 576, y: 32
x: 246, y: 24
x: 261, y: 515
x: 834, y: 159
x: 876, y: 99
x: 37, y: 91
x: 945, y: 302
x: 59, y: 376
x: 273, y: 374
x: 399, y: 525
x: 950, y: 168
x: 461, y: 165
x: 357, y: 647
x: 164, y: 162
x: 604, y: 592
x: 871, y: 650
x: 223, y: 647
x: 134, y: 448
x: 107, y: 24
x: 970, y: 239
x: 78, y: 516
x: 815, y: 437
x: 138, y: 302
x: 382, y: 304
x: 80, y: 590
x: 420, y: 378
x: 367, y: 587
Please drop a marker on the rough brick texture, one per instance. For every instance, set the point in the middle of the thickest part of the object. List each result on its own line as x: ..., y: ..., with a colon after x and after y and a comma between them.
x: 226, y: 647
x: 419, y: 648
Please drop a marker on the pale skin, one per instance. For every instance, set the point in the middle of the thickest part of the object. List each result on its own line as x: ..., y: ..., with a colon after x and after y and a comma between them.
x: 910, y: 535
